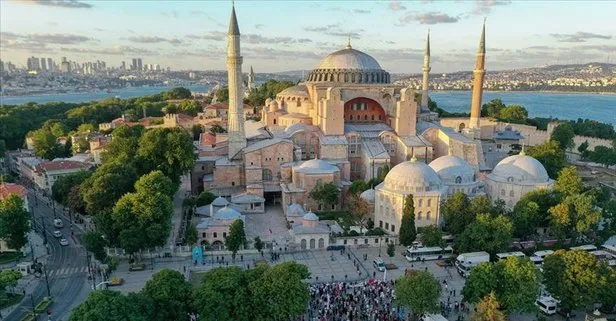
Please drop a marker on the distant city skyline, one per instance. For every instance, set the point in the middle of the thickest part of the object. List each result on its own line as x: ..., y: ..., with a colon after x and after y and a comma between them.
x: 294, y: 35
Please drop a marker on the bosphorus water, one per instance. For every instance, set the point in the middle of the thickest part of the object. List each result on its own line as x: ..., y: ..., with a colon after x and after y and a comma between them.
x: 539, y: 104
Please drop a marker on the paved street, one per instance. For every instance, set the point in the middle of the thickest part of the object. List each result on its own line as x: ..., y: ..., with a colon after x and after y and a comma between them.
x: 66, y: 266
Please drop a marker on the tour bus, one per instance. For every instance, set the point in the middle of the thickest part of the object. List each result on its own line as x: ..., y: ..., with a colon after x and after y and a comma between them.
x: 466, y: 261
x: 547, y: 304
x: 433, y: 317
x: 539, y: 256
x: 415, y: 253
x: 504, y: 256
x: 586, y: 248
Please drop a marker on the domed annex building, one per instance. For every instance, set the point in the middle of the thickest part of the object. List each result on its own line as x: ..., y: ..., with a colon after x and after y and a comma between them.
x: 515, y: 176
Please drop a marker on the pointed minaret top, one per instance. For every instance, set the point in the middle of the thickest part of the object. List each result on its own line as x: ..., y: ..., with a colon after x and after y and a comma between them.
x: 234, y: 29
x: 251, y: 71
x: 349, y: 44
x: 482, y: 42
x: 428, y: 44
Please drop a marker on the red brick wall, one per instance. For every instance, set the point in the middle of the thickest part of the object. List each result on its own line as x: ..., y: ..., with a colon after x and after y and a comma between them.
x: 372, y: 113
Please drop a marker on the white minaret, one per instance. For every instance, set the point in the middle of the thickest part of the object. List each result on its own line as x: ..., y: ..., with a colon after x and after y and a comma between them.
x: 251, y: 80
x: 235, y: 118
x: 426, y: 73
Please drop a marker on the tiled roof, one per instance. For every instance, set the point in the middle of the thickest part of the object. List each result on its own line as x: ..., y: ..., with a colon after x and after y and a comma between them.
x: 7, y: 189
x: 62, y: 165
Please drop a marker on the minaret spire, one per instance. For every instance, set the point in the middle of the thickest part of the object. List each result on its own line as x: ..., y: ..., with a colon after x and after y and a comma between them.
x: 426, y: 74
x: 349, y: 43
x: 479, y: 74
x: 235, y: 118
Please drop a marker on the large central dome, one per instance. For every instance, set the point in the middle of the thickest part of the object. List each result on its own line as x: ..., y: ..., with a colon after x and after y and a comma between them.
x: 349, y: 66
x: 349, y: 58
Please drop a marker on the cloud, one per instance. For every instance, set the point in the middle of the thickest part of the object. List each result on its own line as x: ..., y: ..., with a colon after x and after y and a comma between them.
x: 117, y: 50
x: 74, y: 4
x: 47, y: 38
x: 212, y: 35
x: 335, y: 31
x: 429, y: 18
x: 271, y: 53
x: 258, y: 39
x: 360, y: 11
x: 154, y: 39
x: 396, y: 6
x: 483, y: 7
x: 170, y: 14
x: 259, y: 26
x: 578, y: 36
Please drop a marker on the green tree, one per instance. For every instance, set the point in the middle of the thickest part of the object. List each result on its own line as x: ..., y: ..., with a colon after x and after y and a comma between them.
x: 360, y: 210
x: 258, y: 244
x: 583, y: 149
x: 481, y: 281
x: 177, y: 93
x: 217, y: 129
x: 482, y: 204
x: 169, y: 150
x: 492, y: 108
x: 456, y: 212
x: 156, y: 182
x: 8, y: 278
x: 205, y: 198
x: 327, y: 194
x: 563, y: 134
x: 75, y: 200
x: 488, y: 309
x: 603, y: 155
x: 14, y: 222
x: 171, y: 293
x: 192, y: 236
x: 573, y: 277
x: 408, y: 233
x: 568, y: 183
x: 550, y: 156
x: 236, y: 238
x: 189, y: 107
x: 382, y: 172
x: 486, y: 233
x: 2, y: 146
x: 105, y: 187
x: 419, y: 292
x: 391, y: 250
x: 62, y: 187
x: 514, y: 114
x: 526, y: 219
x: 95, y: 243
x: 106, y: 305
x: 123, y: 147
x: 575, y: 216
x: 544, y: 198
x: 281, y: 291
x: 46, y: 145
x: 222, y: 94
x: 432, y: 235
x: 358, y: 186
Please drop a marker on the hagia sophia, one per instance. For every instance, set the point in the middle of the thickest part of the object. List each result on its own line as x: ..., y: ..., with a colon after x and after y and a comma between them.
x: 347, y: 121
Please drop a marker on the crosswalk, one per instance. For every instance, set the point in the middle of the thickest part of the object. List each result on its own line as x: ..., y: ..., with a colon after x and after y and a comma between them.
x: 68, y: 271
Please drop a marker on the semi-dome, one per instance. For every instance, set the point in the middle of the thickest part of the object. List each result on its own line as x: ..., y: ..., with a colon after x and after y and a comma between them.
x: 412, y: 176
x: 317, y: 166
x: 453, y: 170
x: 349, y: 66
x: 220, y: 201
x: 227, y: 213
x: 368, y: 195
x: 520, y: 169
x: 299, y: 90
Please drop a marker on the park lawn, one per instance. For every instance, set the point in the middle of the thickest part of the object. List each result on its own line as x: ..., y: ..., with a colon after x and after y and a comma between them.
x: 342, y: 217
x: 8, y: 257
x: 7, y: 301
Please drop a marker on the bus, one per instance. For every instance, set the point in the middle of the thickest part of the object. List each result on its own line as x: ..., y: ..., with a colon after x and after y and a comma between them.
x: 539, y: 256
x: 416, y: 253
x: 586, y: 248
x: 504, y: 256
x: 466, y: 261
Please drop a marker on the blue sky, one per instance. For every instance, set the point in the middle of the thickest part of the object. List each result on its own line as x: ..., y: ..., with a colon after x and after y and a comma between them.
x: 292, y: 35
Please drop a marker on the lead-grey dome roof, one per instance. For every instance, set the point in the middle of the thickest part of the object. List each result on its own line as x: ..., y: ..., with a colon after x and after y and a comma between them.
x: 349, y: 58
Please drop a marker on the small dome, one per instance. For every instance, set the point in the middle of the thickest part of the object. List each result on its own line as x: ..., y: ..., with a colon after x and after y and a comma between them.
x: 368, y: 195
x: 317, y: 166
x: 412, y: 176
x: 295, y: 210
x: 220, y: 201
x: 227, y: 213
x: 349, y: 58
x: 453, y: 169
x: 310, y: 217
x: 522, y: 169
x: 299, y: 90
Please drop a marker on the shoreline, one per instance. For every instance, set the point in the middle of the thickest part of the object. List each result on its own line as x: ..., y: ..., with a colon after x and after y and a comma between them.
x: 609, y: 93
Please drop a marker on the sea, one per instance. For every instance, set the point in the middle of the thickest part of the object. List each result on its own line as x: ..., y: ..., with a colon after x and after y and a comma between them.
x: 600, y: 107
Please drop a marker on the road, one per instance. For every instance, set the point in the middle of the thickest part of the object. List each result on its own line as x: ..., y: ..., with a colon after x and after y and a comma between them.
x: 66, y: 266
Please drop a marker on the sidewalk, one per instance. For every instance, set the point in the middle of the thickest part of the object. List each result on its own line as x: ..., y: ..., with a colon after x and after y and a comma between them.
x: 176, y: 219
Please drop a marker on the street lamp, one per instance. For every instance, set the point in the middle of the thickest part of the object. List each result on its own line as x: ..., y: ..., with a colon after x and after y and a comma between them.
x: 46, y: 281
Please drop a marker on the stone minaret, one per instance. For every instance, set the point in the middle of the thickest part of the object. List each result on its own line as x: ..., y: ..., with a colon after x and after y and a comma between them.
x: 251, y: 80
x: 235, y: 117
x: 426, y: 71
x: 479, y: 74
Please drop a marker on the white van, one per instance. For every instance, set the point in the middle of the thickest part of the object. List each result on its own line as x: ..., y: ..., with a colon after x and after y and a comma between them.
x: 379, y: 264
x: 547, y: 304
x: 24, y: 268
x: 58, y: 223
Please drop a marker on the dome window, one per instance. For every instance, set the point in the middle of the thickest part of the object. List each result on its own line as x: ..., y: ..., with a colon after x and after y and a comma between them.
x: 458, y: 180
x: 510, y: 179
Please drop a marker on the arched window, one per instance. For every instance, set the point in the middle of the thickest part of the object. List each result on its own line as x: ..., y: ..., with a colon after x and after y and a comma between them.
x: 303, y: 244
x: 502, y: 192
x: 429, y: 202
x: 458, y: 180
x: 365, y: 117
x: 312, y: 244
x: 420, y: 203
x: 511, y: 194
x: 321, y: 243
x: 267, y: 174
x: 419, y: 215
x: 429, y: 215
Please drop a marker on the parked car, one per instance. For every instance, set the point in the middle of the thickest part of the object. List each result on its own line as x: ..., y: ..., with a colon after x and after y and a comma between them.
x: 58, y: 223
x: 57, y: 234
x: 379, y: 264
x: 64, y: 242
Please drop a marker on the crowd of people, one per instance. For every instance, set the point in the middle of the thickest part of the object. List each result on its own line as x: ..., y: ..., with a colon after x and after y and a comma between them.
x: 370, y: 300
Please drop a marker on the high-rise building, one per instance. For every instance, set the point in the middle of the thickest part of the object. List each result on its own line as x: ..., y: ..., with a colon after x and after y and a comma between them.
x: 235, y: 119
x: 43, y: 64
x: 50, y: 65
x: 33, y: 63
x: 134, y: 65
x: 139, y: 64
x: 1, y: 67
x: 123, y: 67
x: 156, y: 67
x: 65, y: 66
